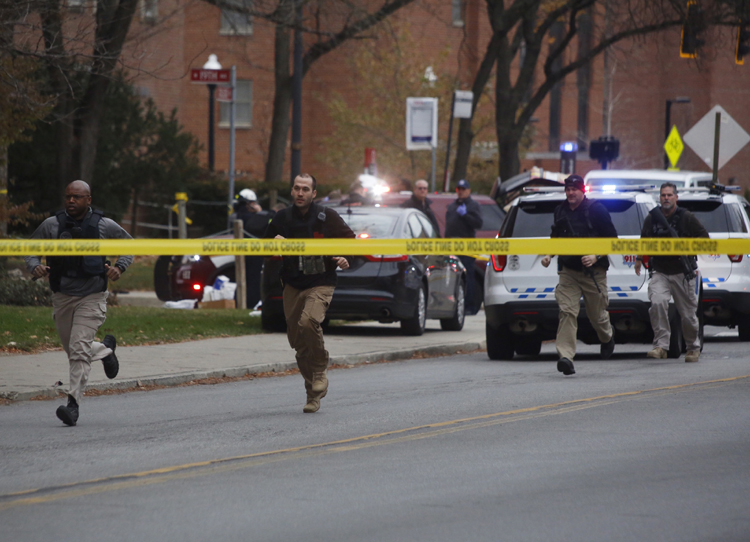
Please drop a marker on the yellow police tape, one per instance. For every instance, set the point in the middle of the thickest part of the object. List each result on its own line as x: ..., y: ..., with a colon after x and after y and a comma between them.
x: 357, y: 247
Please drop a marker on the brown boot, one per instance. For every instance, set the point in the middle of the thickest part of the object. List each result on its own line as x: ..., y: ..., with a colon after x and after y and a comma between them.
x: 313, y: 405
x: 319, y: 383
x: 692, y: 356
x: 657, y: 353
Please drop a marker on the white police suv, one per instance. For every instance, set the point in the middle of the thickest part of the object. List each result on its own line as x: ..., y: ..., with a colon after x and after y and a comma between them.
x: 519, y: 293
x: 725, y: 278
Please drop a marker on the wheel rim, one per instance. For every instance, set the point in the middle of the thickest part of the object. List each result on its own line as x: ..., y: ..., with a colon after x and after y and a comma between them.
x: 422, y: 308
x: 461, y: 307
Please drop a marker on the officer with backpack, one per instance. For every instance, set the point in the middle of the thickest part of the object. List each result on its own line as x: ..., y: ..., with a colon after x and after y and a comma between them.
x: 79, y: 286
x: 309, y: 282
x: 672, y: 276
x: 581, y: 276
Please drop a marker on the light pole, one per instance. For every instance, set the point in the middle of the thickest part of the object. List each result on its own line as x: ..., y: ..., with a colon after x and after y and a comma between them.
x: 667, y: 123
x: 212, y: 64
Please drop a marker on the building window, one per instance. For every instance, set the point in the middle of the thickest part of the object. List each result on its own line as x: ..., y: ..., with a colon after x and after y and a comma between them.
x: 76, y: 5
x: 243, y: 102
x: 234, y: 23
x: 149, y: 10
x: 457, y: 12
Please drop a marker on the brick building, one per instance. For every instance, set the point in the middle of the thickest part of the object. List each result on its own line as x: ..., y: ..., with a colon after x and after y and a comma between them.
x: 172, y: 36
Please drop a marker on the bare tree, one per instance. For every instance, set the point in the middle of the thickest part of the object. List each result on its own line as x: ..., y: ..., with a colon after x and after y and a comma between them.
x: 331, y: 23
x: 520, y: 28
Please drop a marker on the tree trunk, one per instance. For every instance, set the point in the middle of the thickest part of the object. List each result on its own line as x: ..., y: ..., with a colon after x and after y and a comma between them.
x: 508, y: 151
x: 134, y: 220
x: 465, y: 133
x: 282, y: 102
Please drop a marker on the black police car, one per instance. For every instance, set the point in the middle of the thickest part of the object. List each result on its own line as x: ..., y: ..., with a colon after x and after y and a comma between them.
x: 387, y: 288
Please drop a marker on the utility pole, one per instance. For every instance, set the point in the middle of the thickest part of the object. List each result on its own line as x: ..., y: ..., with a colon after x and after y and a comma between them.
x: 296, y: 162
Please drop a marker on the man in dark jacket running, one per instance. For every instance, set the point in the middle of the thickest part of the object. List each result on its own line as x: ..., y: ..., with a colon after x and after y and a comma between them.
x: 309, y: 282
x: 581, y: 276
x: 462, y: 219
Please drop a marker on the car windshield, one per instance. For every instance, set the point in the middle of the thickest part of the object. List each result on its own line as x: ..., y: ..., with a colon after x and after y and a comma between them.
x: 535, y: 218
x: 492, y: 217
x: 615, y: 182
x: 373, y: 225
x: 716, y: 216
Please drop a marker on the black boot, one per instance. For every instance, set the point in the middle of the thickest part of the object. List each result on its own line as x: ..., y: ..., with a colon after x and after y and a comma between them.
x: 607, y: 348
x: 68, y: 414
x: 111, y: 365
x: 565, y: 366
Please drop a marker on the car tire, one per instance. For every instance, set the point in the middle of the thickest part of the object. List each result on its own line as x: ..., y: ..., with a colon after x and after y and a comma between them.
x: 676, y: 342
x: 743, y: 328
x: 162, y: 278
x: 500, y: 341
x: 456, y: 323
x: 275, y: 323
x: 415, y: 325
x: 528, y: 348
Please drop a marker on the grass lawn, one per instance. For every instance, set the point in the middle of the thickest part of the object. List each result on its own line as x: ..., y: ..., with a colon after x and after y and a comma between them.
x: 31, y: 329
x: 138, y: 277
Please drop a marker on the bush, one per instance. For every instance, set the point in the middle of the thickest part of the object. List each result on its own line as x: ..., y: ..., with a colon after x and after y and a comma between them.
x: 25, y: 293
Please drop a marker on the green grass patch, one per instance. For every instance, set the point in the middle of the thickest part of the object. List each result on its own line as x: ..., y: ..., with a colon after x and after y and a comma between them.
x: 31, y: 329
x: 138, y: 277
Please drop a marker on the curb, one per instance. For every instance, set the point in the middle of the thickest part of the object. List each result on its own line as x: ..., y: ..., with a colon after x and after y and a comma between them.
x: 233, y: 372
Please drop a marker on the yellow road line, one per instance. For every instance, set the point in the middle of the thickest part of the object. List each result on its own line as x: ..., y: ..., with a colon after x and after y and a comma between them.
x: 203, y: 468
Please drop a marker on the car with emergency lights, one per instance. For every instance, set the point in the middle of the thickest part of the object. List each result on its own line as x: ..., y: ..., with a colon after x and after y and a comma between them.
x: 725, y: 278
x: 404, y: 288
x: 604, y: 179
x: 519, y: 293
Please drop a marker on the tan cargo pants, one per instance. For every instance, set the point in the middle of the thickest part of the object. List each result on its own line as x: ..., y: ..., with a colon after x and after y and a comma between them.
x: 305, y: 311
x: 77, y: 320
x: 571, y: 286
x: 661, y: 288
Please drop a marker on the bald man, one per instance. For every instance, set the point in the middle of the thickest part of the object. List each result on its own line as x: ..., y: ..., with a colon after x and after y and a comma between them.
x: 79, y: 286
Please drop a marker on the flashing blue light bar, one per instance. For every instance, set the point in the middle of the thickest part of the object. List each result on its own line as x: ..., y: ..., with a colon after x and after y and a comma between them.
x: 569, y: 146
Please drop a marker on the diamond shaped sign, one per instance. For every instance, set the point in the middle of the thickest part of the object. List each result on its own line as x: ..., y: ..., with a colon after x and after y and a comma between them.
x: 732, y: 137
x: 673, y: 146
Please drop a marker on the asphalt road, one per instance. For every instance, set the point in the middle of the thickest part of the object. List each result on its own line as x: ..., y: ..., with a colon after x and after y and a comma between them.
x: 456, y: 448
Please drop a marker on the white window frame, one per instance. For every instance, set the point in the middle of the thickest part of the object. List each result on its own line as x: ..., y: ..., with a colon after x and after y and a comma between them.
x: 243, y: 97
x: 457, y: 12
x: 232, y: 23
x: 149, y: 15
x: 76, y: 5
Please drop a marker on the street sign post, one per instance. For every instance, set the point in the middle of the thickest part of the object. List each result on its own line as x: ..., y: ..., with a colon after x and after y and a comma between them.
x: 422, y: 126
x: 674, y: 147
x: 210, y: 77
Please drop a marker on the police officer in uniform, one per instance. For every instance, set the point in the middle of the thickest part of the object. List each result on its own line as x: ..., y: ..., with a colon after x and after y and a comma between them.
x: 672, y: 276
x: 79, y: 286
x: 254, y: 221
x: 309, y: 282
x: 580, y: 276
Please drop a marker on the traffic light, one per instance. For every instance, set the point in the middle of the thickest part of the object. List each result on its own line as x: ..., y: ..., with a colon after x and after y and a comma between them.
x: 604, y: 150
x: 743, y: 44
x: 691, y: 28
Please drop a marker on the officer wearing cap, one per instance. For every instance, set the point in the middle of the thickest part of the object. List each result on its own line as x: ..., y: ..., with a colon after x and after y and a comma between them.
x: 462, y: 219
x: 581, y: 276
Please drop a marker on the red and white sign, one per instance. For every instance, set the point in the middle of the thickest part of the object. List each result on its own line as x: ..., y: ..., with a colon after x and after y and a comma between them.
x: 224, y: 94
x: 198, y: 75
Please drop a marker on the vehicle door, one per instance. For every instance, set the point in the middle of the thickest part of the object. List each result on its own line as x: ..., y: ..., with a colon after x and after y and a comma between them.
x: 715, y: 269
x: 434, y: 266
x: 449, y: 267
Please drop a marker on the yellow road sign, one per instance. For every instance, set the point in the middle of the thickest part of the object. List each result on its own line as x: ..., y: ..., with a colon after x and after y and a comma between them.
x: 674, y: 146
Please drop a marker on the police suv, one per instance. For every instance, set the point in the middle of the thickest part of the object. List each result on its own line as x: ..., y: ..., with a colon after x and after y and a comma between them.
x: 725, y: 278
x: 519, y: 293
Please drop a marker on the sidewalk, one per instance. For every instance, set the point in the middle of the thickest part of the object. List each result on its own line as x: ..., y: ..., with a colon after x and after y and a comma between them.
x: 25, y: 376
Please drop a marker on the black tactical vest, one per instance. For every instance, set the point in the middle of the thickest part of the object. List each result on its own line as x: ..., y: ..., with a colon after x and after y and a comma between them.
x: 77, y: 266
